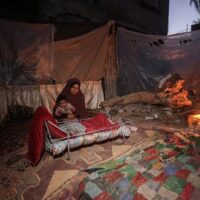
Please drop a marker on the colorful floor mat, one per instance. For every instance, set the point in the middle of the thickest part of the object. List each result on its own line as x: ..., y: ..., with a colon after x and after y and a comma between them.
x: 20, y: 181
x: 170, y: 169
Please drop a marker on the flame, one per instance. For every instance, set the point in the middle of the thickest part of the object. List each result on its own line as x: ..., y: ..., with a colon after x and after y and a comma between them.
x: 194, y: 120
x: 197, y: 116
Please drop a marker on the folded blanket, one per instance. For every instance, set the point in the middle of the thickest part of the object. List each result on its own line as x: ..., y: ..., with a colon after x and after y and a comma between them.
x: 36, y: 138
x: 99, y: 122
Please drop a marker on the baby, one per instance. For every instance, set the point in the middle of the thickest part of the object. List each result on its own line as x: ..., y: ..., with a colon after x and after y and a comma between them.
x: 64, y: 109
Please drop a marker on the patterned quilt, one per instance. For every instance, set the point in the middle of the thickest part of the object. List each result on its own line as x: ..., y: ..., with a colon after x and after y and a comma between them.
x: 168, y: 170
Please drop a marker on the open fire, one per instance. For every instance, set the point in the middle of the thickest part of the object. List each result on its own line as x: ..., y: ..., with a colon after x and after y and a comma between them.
x: 194, y: 121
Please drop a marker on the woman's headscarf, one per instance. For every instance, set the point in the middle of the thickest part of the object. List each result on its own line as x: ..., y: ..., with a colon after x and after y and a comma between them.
x: 77, y: 100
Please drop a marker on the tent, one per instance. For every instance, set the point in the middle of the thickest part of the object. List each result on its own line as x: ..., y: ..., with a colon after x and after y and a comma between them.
x: 34, y: 67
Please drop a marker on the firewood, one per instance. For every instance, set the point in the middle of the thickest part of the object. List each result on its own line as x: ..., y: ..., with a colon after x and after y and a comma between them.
x: 136, y: 97
x: 170, y: 93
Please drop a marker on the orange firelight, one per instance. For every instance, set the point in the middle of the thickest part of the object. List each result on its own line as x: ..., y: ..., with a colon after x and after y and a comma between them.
x: 194, y: 120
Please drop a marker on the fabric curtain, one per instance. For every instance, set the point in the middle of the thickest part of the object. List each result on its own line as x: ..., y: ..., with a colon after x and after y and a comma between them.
x: 34, y: 96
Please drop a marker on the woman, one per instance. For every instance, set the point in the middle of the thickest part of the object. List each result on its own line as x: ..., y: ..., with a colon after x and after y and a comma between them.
x: 73, y: 95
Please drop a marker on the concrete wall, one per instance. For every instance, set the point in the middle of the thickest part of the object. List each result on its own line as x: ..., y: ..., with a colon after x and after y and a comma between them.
x: 75, y: 17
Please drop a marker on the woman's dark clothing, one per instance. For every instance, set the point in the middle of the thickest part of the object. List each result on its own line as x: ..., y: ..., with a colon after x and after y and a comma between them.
x: 77, y: 100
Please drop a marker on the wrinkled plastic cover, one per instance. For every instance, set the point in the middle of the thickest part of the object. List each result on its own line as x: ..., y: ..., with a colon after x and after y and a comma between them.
x: 144, y: 59
x: 84, y: 56
x: 23, y: 46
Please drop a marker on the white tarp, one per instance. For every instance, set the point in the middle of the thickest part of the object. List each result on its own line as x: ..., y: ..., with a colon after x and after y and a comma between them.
x: 36, y: 95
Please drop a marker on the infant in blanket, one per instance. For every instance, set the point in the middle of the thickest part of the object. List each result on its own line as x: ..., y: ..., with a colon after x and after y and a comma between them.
x: 64, y: 109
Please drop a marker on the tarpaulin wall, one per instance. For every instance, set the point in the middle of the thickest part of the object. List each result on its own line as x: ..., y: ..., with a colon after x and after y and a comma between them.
x: 144, y: 59
x: 30, y: 56
x: 23, y: 47
x: 84, y: 57
x: 30, y: 61
x: 88, y: 57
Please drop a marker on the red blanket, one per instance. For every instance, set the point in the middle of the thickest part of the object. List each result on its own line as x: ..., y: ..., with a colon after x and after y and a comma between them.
x: 36, y: 139
x: 99, y: 122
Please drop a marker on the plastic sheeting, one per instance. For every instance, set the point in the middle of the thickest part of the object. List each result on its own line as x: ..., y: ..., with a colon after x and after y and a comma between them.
x: 28, y: 56
x: 144, y: 59
x: 23, y: 46
x: 37, y: 95
x: 84, y: 57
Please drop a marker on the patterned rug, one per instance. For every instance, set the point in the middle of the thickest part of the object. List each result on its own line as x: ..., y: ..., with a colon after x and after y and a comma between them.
x: 18, y: 180
x: 169, y: 169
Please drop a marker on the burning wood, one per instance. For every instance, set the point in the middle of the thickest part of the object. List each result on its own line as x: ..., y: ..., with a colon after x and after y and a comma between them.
x: 170, y: 93
x: 172, y: 90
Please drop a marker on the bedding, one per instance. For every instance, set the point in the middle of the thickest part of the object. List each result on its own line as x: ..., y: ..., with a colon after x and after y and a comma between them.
x: 46, y: 134
x: 58, y: 147
x: 96, y: 129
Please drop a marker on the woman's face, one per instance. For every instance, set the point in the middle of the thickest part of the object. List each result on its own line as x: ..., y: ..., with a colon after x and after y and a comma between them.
x: 74, y: 89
